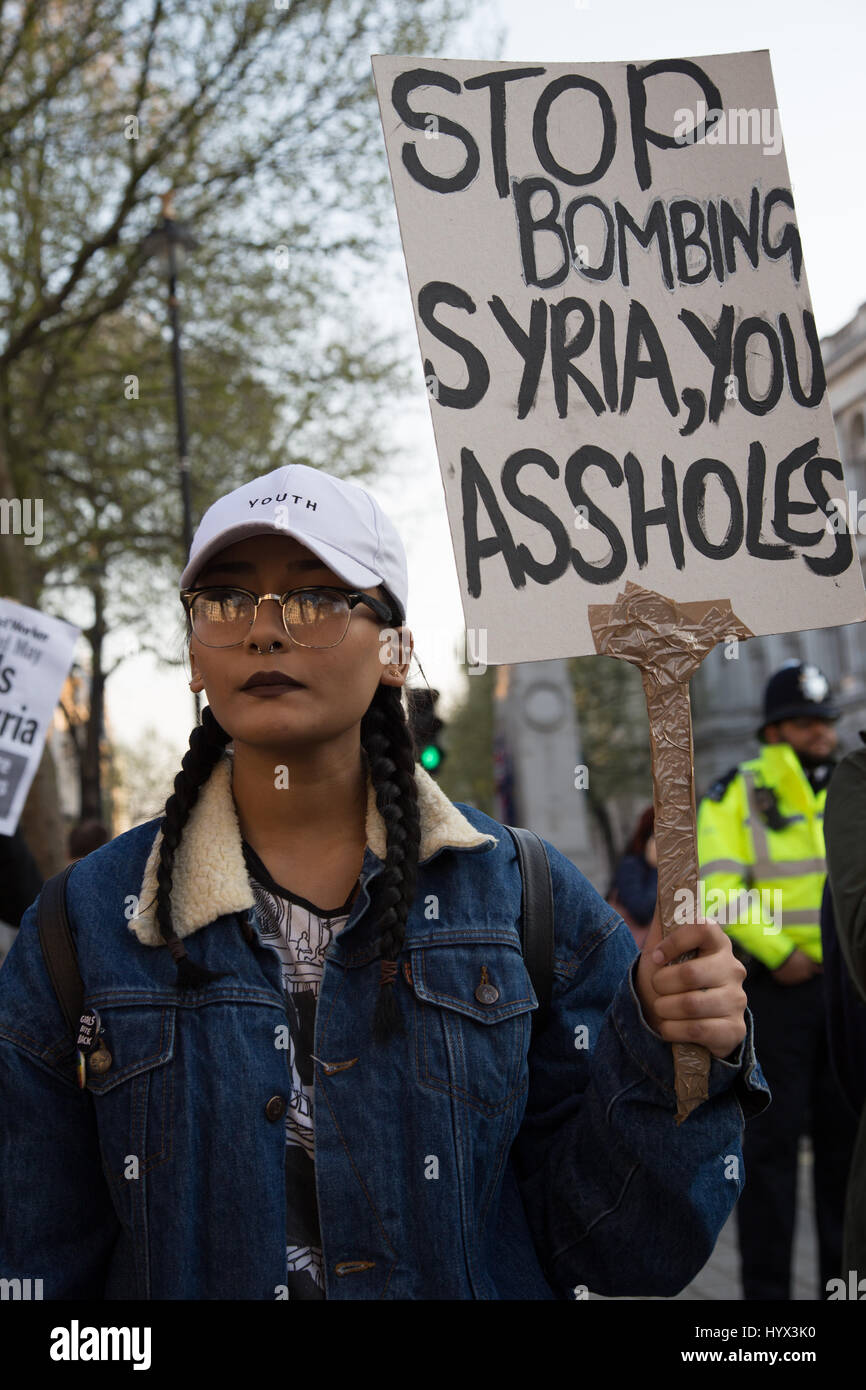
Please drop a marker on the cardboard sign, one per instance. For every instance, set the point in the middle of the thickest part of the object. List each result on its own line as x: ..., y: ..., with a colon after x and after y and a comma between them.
x: 36, y: 652
x: 624, y: 373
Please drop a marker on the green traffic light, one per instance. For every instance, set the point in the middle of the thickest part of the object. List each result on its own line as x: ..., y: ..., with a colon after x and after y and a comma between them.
x: 431, y: 757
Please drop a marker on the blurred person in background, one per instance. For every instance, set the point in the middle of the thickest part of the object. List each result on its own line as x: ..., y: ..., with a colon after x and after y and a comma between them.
x: 761, y: 827
x: 20, y: 884
x: 20, y: 879
x: 634, y: 892
x: 85, y: 837
x: 843, y: 928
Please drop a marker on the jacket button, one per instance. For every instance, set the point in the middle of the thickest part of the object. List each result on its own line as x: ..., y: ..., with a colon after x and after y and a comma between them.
x: 100, y: 1060
x: 486, y: 992
x: 275, y: 1108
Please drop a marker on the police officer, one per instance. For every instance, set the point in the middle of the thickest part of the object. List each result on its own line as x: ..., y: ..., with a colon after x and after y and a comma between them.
x: 761, y: 850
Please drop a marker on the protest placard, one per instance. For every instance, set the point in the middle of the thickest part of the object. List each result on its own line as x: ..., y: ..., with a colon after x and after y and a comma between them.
x: 36, y: 652
x: 636, y: 445
x: 624, y: 372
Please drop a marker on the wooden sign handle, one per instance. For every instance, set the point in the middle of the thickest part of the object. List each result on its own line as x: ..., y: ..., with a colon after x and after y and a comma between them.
x: 667, y: 641
x: 670, y: 718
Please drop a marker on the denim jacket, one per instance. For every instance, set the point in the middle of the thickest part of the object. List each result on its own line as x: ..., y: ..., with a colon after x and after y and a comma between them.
x: 456, y: 1161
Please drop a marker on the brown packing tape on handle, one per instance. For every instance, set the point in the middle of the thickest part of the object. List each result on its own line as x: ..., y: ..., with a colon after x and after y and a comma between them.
x: 668, y: 641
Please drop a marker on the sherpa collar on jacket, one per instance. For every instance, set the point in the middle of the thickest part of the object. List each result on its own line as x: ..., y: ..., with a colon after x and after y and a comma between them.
x: 210, y: 875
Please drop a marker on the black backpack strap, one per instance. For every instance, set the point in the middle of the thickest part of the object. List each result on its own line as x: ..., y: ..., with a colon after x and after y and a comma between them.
x: 58, y: 948
x: 536, y: 916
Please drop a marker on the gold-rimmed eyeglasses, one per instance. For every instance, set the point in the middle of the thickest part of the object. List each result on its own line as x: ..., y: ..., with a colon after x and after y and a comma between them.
x: 223, y: 616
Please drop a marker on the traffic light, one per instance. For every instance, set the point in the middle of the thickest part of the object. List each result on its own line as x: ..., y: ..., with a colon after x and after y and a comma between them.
x: 426, y: 726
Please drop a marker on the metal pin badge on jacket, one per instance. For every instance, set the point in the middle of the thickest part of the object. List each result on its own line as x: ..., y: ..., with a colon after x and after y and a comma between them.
x: 91, y: 1047
x: 88, y: 1032
x: 89, y: 1026
x: 485, y: 992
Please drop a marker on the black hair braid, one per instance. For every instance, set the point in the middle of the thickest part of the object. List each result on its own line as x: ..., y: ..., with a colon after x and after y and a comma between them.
x: 390, y: 748
x: 206, y: 744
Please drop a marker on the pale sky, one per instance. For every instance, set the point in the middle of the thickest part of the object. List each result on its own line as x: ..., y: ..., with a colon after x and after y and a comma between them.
x: 817, y: 54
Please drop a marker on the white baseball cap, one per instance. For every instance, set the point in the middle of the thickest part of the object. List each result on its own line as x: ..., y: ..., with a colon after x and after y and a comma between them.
x: 340, y: 522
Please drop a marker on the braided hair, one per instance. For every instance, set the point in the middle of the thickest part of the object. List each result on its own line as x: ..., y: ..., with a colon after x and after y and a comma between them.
x: 389, y: 745
x: 206, y: 744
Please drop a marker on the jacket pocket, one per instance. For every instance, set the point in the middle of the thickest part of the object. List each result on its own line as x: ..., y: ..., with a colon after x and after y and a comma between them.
x: 133, y: 1091
x: 473, y: 1009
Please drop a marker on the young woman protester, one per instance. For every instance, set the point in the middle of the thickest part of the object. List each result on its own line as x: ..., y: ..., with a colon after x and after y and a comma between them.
x: 315, y: 1075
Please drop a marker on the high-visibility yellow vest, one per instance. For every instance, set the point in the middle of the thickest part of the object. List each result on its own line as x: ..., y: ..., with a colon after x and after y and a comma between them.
x: 761, y: 855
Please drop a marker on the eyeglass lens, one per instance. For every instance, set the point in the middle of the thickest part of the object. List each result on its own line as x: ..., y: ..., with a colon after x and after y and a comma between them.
x: 314, y: 618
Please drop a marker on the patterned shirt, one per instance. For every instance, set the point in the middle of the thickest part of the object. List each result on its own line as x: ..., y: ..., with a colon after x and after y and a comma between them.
x: 300, y: 933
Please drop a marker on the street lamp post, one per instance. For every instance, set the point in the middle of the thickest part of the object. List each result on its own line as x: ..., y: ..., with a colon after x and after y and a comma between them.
x: 170, y: 239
